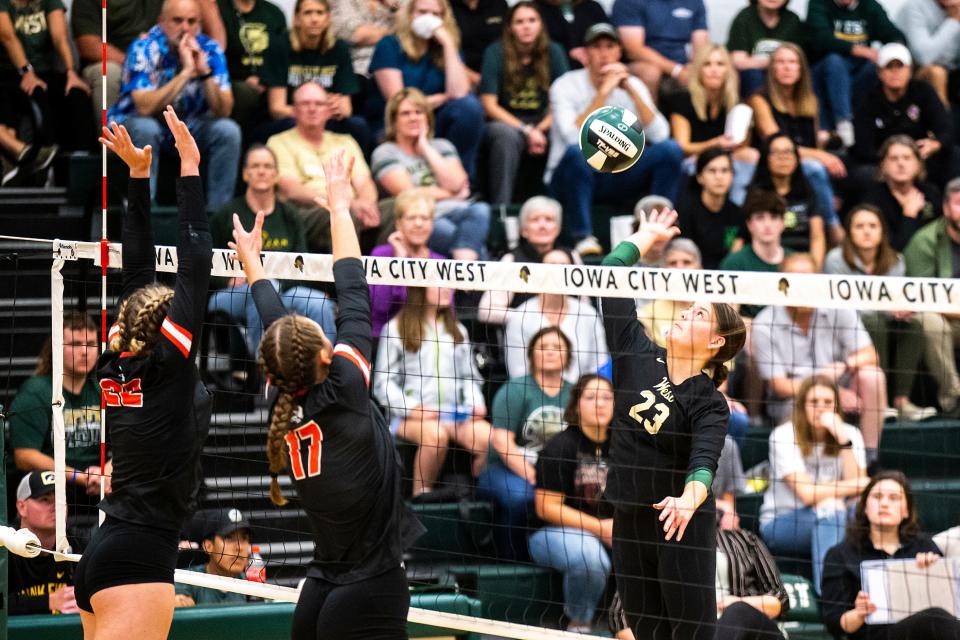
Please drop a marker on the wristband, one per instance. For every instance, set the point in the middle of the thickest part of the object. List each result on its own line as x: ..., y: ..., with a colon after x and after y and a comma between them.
x: 206, y: 76
x: 73, y: 480
x: 701, y: 475
x: 25, y: 69
x: 676, y: 71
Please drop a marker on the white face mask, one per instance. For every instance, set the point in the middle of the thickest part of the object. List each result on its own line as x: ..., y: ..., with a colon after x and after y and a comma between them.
x: 424, y: 26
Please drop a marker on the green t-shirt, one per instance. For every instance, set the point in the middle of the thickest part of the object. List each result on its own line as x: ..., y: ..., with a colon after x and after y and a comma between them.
x: 251, y: 35
x: 747, y: 260
x: 31, y: 425
x: 282, y: 229
x: 126, y: 19
x: 748, y: 33
x: 333, y: 70
x: 533, y: 417
x: 203, y: 595
x: 529, y: 104
x: 29, y: 19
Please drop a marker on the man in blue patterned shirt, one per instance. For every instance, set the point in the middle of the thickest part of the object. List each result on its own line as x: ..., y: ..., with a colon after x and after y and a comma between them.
x: 174, y: 63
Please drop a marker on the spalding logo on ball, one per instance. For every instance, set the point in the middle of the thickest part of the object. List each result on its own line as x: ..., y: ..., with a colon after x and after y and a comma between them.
x: 611, y: 139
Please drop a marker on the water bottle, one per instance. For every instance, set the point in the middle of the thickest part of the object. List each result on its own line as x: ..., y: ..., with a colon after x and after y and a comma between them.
x: 256, y: 568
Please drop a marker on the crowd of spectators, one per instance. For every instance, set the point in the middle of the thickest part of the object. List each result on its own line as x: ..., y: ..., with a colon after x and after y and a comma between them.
x: 850, y: 167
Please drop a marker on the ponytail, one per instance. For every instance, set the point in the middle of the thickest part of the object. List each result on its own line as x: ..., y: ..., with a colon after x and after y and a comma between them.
x: 730, y: 326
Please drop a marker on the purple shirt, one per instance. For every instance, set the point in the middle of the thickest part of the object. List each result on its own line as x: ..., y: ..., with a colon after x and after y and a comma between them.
x: 386, y: 300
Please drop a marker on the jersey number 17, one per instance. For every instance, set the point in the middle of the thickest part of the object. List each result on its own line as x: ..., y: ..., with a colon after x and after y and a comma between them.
x: 309, y: 436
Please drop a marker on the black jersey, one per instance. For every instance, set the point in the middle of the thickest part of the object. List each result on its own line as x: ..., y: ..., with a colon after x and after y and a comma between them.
x: 660, y: 432
x: 158, y: 412
x: 343, y: 461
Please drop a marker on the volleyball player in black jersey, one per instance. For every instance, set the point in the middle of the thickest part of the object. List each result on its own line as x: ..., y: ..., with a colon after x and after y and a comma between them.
x: 158, y: 412
x: 667, y: 433
x: 335, y: 443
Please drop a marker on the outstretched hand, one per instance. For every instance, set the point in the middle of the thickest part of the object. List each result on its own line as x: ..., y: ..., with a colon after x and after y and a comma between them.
x: 248, y: 245
x: 338, y: 170
x: 661, y: 224
x: 186, y: 145
x: 116, y: 138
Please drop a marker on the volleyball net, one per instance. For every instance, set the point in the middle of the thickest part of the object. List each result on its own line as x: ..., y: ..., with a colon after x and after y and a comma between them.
x: 490, y: 533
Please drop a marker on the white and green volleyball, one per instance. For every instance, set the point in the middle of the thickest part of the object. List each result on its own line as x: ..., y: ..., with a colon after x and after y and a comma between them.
x: 611, y: 139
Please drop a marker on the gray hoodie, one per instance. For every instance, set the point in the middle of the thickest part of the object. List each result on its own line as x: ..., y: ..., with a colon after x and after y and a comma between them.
x: 932, y: 36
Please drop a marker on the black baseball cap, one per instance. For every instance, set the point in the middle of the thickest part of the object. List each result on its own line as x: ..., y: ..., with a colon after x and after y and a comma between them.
x: 601, y: 30
x: 222, y: 522
x: 36, y: 484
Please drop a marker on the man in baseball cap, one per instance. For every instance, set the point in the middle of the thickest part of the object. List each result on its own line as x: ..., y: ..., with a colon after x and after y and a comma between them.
x: 226, y: 541
x: 40, y: 584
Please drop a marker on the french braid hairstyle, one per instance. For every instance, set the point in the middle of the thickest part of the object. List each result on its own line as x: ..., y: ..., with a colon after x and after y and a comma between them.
x: 288, y: 358
x: 140, y: 317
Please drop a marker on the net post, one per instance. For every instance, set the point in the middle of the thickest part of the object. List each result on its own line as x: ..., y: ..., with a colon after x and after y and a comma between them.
x: 104, y: 246
x: 59, y: 430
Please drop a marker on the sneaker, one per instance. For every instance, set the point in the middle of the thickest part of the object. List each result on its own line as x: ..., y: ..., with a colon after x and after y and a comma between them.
x: 9, y: 172
x: 588, y: 246
x: 845, y: 132
x: 43, y: 159
x: 910, y: 412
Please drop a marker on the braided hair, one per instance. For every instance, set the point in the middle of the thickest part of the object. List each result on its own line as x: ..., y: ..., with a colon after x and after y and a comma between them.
x: 288, y: 357
x: 140, y: 317
x: 729, y: 325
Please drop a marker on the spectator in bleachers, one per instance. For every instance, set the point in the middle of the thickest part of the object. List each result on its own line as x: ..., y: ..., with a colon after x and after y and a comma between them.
x: 174, y: 63
x: 902, y: 192
x: 790, y: 344
x: 300, y: 152
x: 764, y: 212
x: 755, y: 33
x: 527, y: 413
x: 44, y: 584
x: 574, y: 96
x: 866, y: 250
x: 707, y: 216
x: 39, y: 79
x: 787, y: 104
x: 31, y: 419
x: 226, y: 541
x: 897, y: 105
x: 698, y: 117
x: 540, y: 220
x: 363, y: 24
x: 282, y: 231
x: 817, y: 462
x: 932, y: 253
x: 424, y: 54
x: 20, y: 161
x: 578, y: 520
x: 313, y: 53
x: 886, y: 527
x: 482, y: 21
x: 255, y: 29
x: 577, y: 318
x: 413, y: 217
x: 427, y: 380
x: 412, y: 157
x: 780, y: 170
x: 840, y: 33
x: 932, y: 28
x: 661, y: 37
x: 514, y: 91
x: 567, y: 22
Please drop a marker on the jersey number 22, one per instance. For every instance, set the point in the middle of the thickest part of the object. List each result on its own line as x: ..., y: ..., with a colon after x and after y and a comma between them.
x: 311, y: 436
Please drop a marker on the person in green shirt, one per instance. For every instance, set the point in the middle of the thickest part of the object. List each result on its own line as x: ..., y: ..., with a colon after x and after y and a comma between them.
x: 282, y: 231
x: 755, y: 33
x: 314, y: 53
x: 226, y: 541
x: 527, y: 412
x: 31, y: 419
x: 764, y: 212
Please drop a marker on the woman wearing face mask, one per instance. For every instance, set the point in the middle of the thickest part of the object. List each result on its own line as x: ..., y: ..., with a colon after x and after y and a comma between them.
x: 707, y: 216
x: 885, y: 527
x: 514, y: 85
x: 866, y: 250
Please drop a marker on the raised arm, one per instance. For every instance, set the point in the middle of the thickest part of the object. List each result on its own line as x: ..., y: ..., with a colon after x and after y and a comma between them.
x: 139, y: 261
x: 248, y: 245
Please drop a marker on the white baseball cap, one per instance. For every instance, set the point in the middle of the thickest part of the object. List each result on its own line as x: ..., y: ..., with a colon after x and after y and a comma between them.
x: 894, y: 51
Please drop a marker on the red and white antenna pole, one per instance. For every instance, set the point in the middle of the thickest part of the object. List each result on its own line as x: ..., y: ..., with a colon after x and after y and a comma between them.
x: 104, y: 245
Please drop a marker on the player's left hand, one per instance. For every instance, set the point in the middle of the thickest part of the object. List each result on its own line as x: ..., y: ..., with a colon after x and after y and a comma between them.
x: 338, y: 169
x: 183, y: 140
x: 677, y: 511
x: 247, y: 244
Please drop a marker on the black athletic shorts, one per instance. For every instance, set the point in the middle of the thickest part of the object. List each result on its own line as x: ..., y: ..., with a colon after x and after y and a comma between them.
x: 121, y: 553
x: 372, y: 609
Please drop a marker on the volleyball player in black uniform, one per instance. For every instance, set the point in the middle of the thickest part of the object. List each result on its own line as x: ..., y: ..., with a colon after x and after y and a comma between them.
x: 667, y: 433
x: 158, y: 412
x: 335, y: 443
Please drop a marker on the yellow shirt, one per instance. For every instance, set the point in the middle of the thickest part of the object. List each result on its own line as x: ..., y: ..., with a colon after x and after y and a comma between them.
x: 298, y: 158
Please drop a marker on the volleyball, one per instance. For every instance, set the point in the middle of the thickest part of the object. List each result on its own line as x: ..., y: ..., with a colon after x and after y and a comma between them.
x: 611, y: 139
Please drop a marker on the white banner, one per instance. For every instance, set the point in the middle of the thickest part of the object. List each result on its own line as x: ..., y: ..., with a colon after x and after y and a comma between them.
x: 806, y: 290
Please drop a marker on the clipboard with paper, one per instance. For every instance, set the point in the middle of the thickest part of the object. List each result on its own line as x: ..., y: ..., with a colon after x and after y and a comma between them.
x: 899, y: 588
